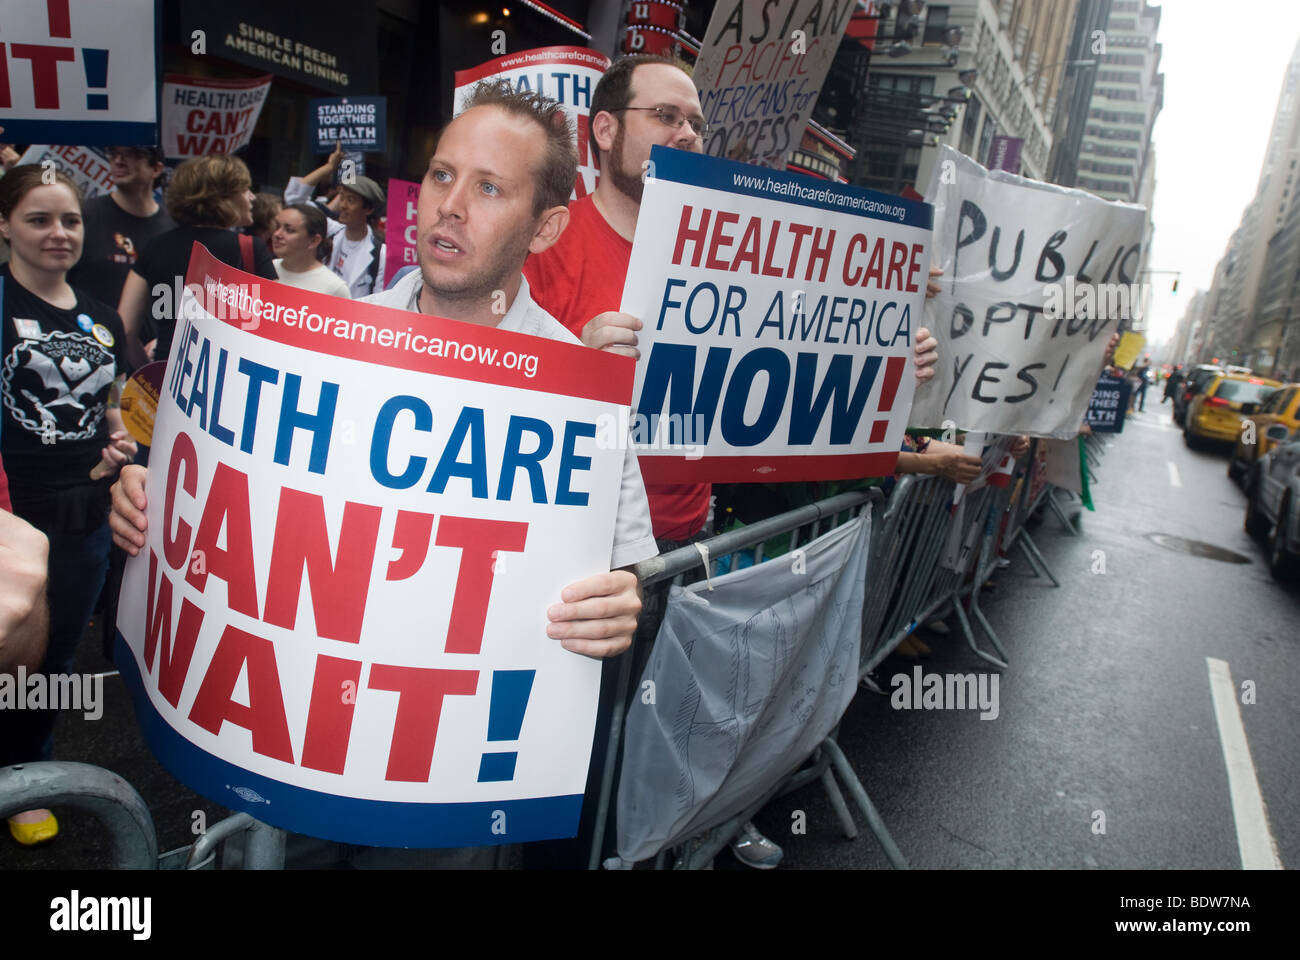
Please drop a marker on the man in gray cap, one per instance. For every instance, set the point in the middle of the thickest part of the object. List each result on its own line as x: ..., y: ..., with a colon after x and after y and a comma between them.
x: 359, y: 251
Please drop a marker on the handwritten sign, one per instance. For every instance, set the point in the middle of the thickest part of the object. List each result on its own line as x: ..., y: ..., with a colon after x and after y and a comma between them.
x: 358, y: 518
x: 778, y: 315
x: 79, y: 71
x: 1035, y: 280
x: 760, y: 69
x: 565, y: 74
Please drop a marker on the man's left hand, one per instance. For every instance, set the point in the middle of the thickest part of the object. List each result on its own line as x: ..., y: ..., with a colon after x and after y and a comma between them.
x: 925, y: 355
x: 597, y: 617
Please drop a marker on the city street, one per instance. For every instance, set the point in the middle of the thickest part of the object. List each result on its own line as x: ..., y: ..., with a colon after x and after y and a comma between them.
x: 1107, y: 703
x: 1106, y: 706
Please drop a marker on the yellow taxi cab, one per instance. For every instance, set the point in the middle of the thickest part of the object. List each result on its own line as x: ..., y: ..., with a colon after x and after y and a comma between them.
x: 1216, y: 413
x: 1282, y: 407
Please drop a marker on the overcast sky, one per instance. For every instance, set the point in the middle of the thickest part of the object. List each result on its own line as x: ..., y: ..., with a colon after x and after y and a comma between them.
x: 1223, y: 65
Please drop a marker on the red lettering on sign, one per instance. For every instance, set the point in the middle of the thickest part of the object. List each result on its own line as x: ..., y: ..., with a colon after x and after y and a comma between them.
x: 177, y: 548
x: 174, y: 663
x: 338, y: 589
x: 60, y: 21
x: 696, y: 235
x: 329, y: 717
x: 264, y: 716
x: 45, y: 70
x: 227, y: 506
x: 478, y: 540
x: 419, y: 709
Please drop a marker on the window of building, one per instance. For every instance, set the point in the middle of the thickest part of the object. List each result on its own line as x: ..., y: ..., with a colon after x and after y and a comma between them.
x: 936, y: 22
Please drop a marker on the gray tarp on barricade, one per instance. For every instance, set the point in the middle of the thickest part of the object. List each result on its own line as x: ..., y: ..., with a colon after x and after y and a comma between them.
x: 749, y: 677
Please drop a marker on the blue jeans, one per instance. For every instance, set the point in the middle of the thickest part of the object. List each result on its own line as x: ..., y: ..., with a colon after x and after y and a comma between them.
x: 78, y: 563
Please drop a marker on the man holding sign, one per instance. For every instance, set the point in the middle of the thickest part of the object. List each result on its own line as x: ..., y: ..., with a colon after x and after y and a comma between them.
x: 495, y: 190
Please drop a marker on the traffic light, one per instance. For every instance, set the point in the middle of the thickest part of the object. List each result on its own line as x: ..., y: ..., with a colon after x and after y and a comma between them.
x: 1175, y: 290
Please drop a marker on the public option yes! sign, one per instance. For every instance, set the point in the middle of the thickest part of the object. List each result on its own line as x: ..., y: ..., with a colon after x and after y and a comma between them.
x: 78, y: 71
x: 358, y: 518
x: 1035, y: 280
x: 778, y: 317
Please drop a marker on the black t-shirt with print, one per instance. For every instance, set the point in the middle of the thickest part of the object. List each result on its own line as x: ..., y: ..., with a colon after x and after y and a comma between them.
x: 114, y: 239
x: 167, y: 258
x: 56, y: 370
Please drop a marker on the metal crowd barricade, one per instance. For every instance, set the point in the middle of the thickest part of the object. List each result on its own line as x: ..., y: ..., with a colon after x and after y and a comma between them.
x: 802, y: 524
x: 99, y: 792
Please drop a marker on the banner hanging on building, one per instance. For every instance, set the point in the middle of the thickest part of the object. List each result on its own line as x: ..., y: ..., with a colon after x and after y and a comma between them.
x: 78, y: 71
x: 87, y: 166
x: 761, y: 66
x: 400, y: 227
x: 204, y: 115
x: 566, y: 74
x: 358, y: 518
x: 778, y: 314
x: 1035, y: 280
x: 356, y: 123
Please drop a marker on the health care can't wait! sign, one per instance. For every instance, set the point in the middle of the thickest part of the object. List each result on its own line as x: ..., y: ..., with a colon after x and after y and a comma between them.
x: 778, y: 317
x: 358, y: 518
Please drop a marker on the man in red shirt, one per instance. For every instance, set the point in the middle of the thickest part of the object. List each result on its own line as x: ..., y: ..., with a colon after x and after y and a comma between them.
x: 639, y: 102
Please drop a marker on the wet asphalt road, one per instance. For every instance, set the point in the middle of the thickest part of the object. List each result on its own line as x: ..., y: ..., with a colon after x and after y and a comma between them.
x: 1105, y: 708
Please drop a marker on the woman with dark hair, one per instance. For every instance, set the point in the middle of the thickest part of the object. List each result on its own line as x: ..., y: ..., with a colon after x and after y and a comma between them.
x: 266, y: 207
x: 210, y: 197
x: 302, y: 242
x: 61, y: 434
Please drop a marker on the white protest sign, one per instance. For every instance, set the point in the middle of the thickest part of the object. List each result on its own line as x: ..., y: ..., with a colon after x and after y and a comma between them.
x: 78, y: 71
x: 761, y: 66
x: 778, y: 314
x: 203, y: 115
x: 358, y: 518
x: 567, y: 75
x: 87, y: 166
x: 1036, y: 278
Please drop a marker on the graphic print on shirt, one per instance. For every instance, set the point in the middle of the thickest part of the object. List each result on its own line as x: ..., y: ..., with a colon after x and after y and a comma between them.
x: 52, y: 385
x: 123, y: 249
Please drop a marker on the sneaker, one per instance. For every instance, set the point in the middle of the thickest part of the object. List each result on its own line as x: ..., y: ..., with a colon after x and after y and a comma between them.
x: 755, y: 850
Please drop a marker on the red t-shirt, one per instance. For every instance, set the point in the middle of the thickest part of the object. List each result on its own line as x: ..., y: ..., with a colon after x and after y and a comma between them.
x: 4, y: 490
x: 582, y: 275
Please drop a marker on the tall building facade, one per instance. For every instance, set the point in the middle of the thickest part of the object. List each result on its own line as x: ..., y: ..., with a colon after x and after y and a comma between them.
x: 1127, y: 96
x: 1256, y: 292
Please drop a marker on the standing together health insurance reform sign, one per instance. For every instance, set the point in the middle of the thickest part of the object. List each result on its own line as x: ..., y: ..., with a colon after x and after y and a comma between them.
x: 778, y: 314
x: 358, y: 518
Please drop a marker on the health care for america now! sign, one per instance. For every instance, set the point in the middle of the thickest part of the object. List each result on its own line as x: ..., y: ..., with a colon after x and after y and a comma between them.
x: 78, y: 71
x: 358, y: 518
x: 778, y: 313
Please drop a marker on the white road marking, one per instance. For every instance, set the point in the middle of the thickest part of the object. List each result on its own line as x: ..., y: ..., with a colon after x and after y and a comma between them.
x: 1174, y: 479
x: 1258, y: 851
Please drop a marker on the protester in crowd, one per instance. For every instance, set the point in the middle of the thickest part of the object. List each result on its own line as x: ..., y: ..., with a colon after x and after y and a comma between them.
x: 359, y: 251
x: 1142, y: 378
x: 24, y: 613
x: 62, y: 438
x: 120, y: 224
x: 639, y: 102
x: 207, y: 196
x: 495, y: 191
x: 301, y: 242
x: 266, y: 208
x: 1172, y: 383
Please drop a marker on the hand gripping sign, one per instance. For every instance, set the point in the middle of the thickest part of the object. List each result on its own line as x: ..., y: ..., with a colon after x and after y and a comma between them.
x: 78, y: 71
x: 358, y: 518
x: 1036, y: 279
x: 778, y: 313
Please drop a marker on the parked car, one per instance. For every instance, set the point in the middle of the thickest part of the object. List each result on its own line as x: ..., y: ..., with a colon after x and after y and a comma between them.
x: 1215, y: 414
x: 1284, y: 408
x: 1195, y: 382
x: 1273, y: 502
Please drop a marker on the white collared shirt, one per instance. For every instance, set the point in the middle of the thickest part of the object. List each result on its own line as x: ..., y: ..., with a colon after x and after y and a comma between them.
x: 633, y: 536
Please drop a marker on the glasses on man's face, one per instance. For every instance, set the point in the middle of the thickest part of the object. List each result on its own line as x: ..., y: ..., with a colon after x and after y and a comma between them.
x: 670, y: 116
